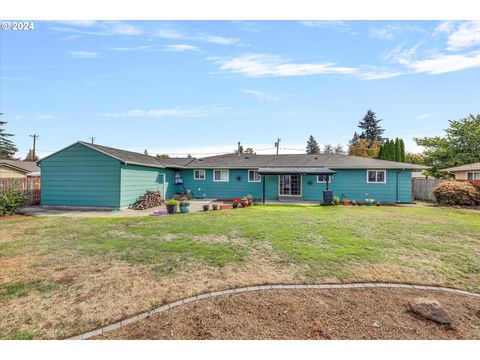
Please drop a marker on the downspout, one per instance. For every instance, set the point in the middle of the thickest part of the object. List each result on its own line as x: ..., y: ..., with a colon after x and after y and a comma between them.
x: 396, y: 173
x: 263, y: 192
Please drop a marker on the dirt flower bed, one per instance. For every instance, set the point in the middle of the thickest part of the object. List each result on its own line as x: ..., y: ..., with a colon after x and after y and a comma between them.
x: 310, y: 314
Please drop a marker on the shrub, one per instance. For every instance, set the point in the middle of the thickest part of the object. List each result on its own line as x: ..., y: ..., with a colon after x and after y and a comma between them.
x: 12, y: 200
x: 184, y: 203
x: 172, y: 202
x: 456, y: 193
x: 336, y: 200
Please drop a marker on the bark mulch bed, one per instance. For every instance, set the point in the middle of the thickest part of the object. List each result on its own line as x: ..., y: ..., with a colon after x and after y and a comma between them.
x: 310, y: 314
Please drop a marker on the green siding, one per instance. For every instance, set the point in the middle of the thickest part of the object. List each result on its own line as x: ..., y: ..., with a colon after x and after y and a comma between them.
x: 352, y: 184
x: 237, y: 186
x: 80, y: 176
x: 136, y: 180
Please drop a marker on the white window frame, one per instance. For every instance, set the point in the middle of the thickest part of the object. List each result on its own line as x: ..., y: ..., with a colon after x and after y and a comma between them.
x: 323, y: 182
x: 473, y: 175
x: 254, y: 181
x: 228, y: 175
x: 199, y: 178
x: 376, y: 176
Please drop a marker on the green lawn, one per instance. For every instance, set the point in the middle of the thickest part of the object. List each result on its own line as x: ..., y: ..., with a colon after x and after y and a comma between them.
x: 62, y: 276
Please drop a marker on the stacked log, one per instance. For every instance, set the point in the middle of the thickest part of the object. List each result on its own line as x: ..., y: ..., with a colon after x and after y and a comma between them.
x: 149, y: 200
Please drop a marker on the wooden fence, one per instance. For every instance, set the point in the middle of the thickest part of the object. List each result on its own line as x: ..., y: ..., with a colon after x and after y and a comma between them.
x: 30, y: 186
x: 422, y: 189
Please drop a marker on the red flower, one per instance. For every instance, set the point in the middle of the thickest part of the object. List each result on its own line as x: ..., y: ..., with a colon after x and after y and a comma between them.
x: 236, y: 200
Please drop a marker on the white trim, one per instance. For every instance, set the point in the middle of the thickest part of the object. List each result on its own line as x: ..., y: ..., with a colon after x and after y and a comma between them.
x: 204, y: 174
x: 253, y: 181
x: 228, y: 175
x: 376, y: 176
x: 473, y: 172
x: 324, y: 182
x: 301, y: 184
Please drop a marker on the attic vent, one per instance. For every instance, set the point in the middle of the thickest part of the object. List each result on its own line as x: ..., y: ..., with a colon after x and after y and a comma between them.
x: 316, y: 158
x: 200, y: 159
x: 246, y: 157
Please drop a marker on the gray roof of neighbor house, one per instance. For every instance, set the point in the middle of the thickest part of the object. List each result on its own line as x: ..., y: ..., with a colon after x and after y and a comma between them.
x: 331, y: 161
x: 467, y: 167
x: 23, y: 166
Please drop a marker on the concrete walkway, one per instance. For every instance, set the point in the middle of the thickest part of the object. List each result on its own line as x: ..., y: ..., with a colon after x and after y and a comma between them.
x: 195, y: 206
x: 166, y: 307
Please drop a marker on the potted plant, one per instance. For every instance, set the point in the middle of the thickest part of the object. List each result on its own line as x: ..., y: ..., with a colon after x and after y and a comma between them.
x: 235, y: 202
x: 205, y: 207
x: 244, y: 202
x: 377, y: 203
x: 215, y: 206
x: 369, y: 201
x: 346, y: 202
x: 249, y: 199
x: 184, y: 206
x: 336, y: 200
x: 353, y: 202
x: 171, y: 206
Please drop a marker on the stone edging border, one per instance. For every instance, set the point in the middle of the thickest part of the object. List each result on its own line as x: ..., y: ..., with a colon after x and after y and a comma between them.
x: 212, y: 294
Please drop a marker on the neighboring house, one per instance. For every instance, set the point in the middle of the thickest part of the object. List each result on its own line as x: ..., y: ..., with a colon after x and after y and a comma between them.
x: 465, y: 172
x: 92, y: 175
x: 18, y: 169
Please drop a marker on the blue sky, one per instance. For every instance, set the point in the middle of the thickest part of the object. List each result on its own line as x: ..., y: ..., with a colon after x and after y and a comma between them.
x: 199, y: 86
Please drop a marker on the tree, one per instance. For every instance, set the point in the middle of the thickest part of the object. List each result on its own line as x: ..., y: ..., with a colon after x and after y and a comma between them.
x: 163, y: 156
x: 459, y: 146
x: 249, y: 150
x: 398, y: 150
x: 413, y: 158
x: 339, y: 150
x: 371, y: 129
x: 328, y: 149
x: 189, y: 156
x: 365, y: 148
x: 312, y: 146
x: 402, y: 149
x: 355, y: 139
x: 7, y: 147
x: 30, y: 156
x: 145, y: 152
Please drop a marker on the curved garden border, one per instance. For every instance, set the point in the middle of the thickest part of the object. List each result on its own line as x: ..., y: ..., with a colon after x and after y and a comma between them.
x: 212, y: 294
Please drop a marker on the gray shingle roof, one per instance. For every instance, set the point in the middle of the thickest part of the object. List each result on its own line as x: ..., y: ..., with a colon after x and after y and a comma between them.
x: 26, y: 166
x: 467, y: 167
x: 331, y: 161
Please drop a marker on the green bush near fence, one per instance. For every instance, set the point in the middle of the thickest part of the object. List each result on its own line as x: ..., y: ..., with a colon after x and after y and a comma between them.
x: 11, y: 200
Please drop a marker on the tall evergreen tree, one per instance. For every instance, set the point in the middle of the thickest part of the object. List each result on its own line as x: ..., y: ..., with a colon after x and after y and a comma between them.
x: 7, y: 147
x: 402, y: 149
x: 355, y: 139
x: 398, y: 150
x: 371, y: 130
x: 30, y: 156
x: 312, y: 146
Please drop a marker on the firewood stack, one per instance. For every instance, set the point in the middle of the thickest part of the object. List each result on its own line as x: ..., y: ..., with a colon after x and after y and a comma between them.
x: 149, y: 200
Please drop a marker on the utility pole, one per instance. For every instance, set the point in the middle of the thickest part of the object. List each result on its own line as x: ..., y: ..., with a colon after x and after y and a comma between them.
x: 277, y: 144
x: 92, y: 139
x: 34, y: 136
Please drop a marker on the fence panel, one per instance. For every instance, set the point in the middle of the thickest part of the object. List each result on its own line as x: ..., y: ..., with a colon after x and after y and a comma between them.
x: 30, y: 186
x: 422, y: 189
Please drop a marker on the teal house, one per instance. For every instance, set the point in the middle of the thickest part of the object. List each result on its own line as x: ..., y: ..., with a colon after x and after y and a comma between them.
x: 91, y: 175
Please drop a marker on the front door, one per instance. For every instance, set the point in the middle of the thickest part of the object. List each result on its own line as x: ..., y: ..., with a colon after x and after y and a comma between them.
x: 290, y: 185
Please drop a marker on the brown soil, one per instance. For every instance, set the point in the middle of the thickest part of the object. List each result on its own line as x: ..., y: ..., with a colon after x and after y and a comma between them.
x: 12, y: 217
x: 310, y: 314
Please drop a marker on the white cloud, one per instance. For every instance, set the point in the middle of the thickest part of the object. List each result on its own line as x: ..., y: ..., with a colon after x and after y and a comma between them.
x: 378, y: 74
x: 180, y: 47
x: 390, y: 31
x: 123, y: 29
x: 84, y: 54
x: 132, y: 48
x: 176, y: 112
x: 384, y: 33
x: 326, y: 24
x: 424, y: 116
x: 80, y: 23
x: 173, y: 34
x: 46, y: 116
x: 260, y: 95
x: 443, y: 63
x: 466, y: 34
x: 264, y: 65
x: 99, y: 28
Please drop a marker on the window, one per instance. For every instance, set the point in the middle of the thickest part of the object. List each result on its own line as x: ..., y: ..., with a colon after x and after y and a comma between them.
x: 376, y: 176
x: 253, y: 176
x: 220, y: 175
x: 199, y: 174
x: 323, y: 178
x: 474, y: 175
